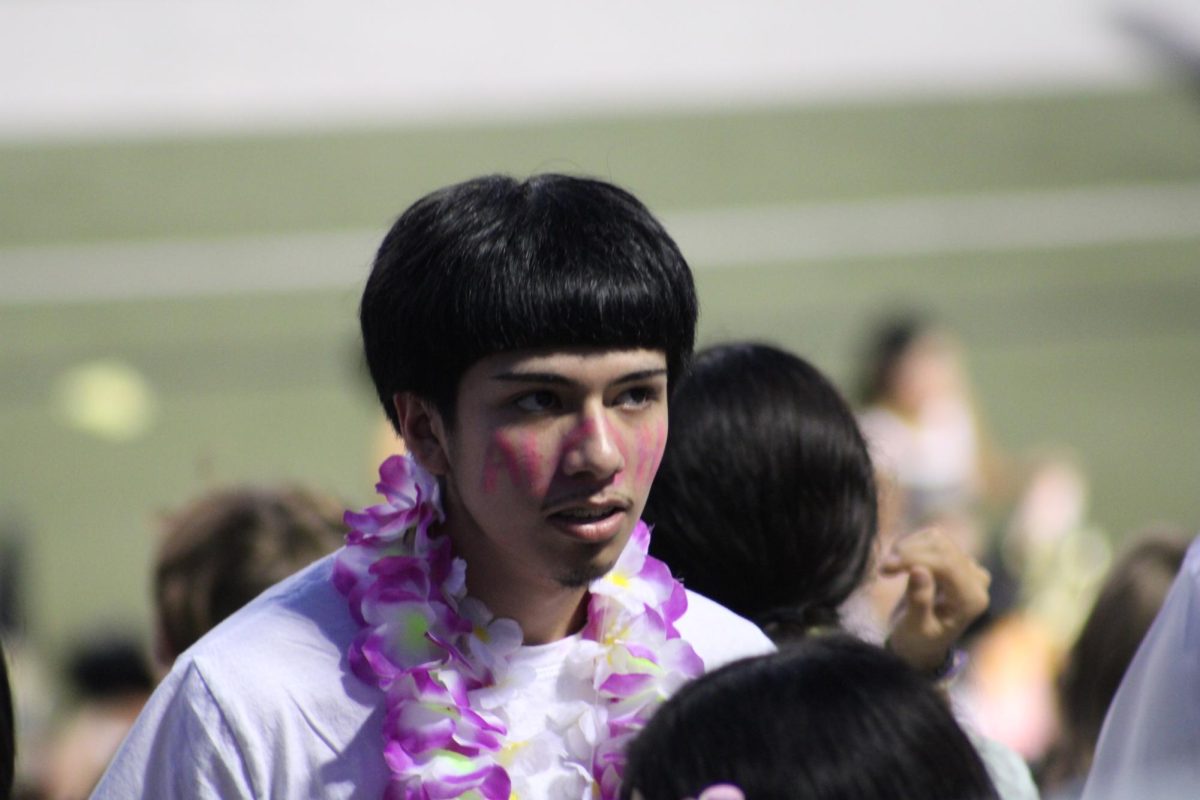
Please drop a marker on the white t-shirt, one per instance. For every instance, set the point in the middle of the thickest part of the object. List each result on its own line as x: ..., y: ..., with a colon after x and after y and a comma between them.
x: 265, y: 705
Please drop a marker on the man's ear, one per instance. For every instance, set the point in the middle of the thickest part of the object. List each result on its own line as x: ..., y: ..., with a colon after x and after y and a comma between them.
x: 423, y: 431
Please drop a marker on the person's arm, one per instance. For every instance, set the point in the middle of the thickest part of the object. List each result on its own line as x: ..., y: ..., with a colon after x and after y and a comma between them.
x: 947, y: 590
x: 180, y: 747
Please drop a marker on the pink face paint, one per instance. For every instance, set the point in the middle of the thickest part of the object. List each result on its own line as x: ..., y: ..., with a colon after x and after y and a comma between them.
x: 650, y: 445
x: 645, y: 453
x: 501, y: 453
x: 531, y: 460
x: 491, y: 469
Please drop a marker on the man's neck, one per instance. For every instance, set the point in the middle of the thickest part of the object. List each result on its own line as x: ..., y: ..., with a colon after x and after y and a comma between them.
x: 545, y: 613
x: 545, y: 609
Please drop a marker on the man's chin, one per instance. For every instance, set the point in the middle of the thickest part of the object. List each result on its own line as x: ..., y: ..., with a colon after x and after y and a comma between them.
x: 583, y: 575
x: 591, y: 561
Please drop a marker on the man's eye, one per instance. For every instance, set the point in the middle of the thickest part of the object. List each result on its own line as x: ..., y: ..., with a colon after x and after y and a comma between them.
x: 637, y: 397
x: 537, y: 401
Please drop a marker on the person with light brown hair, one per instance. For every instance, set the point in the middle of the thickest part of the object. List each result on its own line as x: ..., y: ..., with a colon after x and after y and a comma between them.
x: 221, y: 550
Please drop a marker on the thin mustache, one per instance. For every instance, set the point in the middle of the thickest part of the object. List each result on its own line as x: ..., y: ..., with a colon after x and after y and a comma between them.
x: 589, y: 500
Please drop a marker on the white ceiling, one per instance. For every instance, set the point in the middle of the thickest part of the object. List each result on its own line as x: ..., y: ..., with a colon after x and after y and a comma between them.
x: 96, y: 67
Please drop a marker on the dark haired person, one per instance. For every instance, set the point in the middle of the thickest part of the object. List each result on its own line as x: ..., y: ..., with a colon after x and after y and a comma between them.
x: 762, y: 444
x: 766, y: 503
x: 109, y: 680
x: 927, y: 436
x: 495, y: 627
x: 827, y: 718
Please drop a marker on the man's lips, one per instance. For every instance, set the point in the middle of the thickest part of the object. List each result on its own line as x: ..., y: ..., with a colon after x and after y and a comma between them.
x: 593, y: 520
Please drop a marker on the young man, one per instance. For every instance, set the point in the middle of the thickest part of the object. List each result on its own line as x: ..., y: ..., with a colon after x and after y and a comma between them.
x: 494, y: 628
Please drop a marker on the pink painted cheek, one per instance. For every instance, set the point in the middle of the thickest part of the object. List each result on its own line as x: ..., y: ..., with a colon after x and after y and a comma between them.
x: 519, y: 458
x: 651, y: 441
x: 536, y: 466
x: 502, y: 457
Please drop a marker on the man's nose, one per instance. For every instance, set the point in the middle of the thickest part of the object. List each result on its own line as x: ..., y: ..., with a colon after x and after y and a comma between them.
x: 592, y: 447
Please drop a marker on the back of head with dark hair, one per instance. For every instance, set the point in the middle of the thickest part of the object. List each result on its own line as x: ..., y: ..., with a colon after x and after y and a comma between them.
x: 1128, y: 601
x: 827, y: 718
x: 493, y: 265
x: 105, y: 665
x: 765, y: 500
x: 225, y: 548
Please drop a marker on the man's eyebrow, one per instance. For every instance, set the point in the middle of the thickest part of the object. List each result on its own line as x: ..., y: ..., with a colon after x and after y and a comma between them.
x: 641, y: 375
x: 531, y: 377
x: 559, y: 380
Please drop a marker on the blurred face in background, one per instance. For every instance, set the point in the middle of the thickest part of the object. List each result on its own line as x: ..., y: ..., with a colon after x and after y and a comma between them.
x: 929, y: 371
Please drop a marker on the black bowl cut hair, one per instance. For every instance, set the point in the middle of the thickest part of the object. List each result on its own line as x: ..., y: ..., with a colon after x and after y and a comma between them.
x: 829, y: 718
x: 494, y: 264
x: 765, y: 500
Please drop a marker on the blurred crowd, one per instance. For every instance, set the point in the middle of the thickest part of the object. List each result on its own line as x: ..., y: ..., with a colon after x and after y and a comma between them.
x: 1036, y: 672
x: 1066, y: 613
x: 215, y: 554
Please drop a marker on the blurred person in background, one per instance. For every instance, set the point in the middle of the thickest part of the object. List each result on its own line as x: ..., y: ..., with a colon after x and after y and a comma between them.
x: 826, y: 718
x: 30, y: 679
x: 110, y: 679
x: 765, y: 501
x: 937, y: 464
x: 221, y: 550
x: 217, y: 553
x: 1049, y: 557
x: 1047, y: 564
x: 930, y: 454
x: 1128, y: 602
x: 935, y: 461
x: 1149, y: 745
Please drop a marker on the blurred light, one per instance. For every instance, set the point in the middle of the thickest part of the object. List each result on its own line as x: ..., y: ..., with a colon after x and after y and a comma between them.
x: 106, y: 398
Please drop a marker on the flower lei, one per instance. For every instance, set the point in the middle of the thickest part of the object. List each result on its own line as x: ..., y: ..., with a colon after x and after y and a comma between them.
x: 441, y: 658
